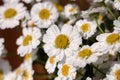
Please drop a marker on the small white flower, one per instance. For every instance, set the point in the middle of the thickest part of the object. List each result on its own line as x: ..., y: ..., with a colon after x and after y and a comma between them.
x: 66, y: 72
x: 28, y: 41
x: 71, y: 10
x: 117, y: 25
x: 117, y: 4
x: 114, y: 73
x: 111, y: 41
x: 1, y: 46
x: 61, y: 42
x: 51, y: 64
x: 5, y: 68
x: 27, y: 1
x: 44, y: 14
x: 10, y: 14
x: 86, y: 28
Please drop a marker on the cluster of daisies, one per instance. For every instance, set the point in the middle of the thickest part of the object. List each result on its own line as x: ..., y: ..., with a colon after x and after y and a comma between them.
x: 79, y: 44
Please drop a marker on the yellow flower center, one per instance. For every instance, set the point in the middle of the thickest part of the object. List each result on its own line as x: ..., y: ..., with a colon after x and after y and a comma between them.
x: 1, y: 75
x: 72, y: 9
x: 26, y: 75
x: 100, y: 17
x: 51, y: 60
x: 112, y: 38
x: 118, y: 0
x: 44, y: 14
x: 65, y: 70
x: 61, y: 41
x: 58, y: 7
x: 31, y: 24
x: 85, y: 27
x: 27, y: 56
x: 84, y: 53
x: 26, y: 40
x: 18, y: 71
x: 117, y: 74
x: 9, y: 13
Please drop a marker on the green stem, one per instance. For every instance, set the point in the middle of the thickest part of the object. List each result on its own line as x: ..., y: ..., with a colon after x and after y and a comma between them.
x: 109, y: 10
x: 98, y: 25
x: 97, y: 69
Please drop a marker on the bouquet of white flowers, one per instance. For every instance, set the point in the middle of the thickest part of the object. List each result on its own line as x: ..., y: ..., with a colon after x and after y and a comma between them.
x: 72, y: 44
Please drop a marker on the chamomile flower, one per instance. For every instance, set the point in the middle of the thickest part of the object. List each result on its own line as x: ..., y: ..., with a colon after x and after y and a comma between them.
x: 11, y: 14
x: 111, y: 41
x: 5, y: 68
x: 71, y: 10
x: 1, y: 46
x: 114, y: 72
x: 84, y: 56
x: 24, y: 72
x: 61, y: 42
x: 51, y: 64
x: 66, y: 72
x: 117, y: 4
x: 86, y: 28
x: 44, y: 14
x: 117, y: 25
x: 28, y: 41
x: 27, y: 1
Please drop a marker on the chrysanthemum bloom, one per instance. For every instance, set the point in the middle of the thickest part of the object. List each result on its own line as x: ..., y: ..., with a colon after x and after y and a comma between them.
x: 5, y: 68
x: 28, y: 41
x: 86, y: 28
x: 71, y: 10
x: 61, y: 43
x: 11, y: 14
x: 114, y: 73
x: 1, y: 46
x: 24, y: 72
x: 117, y: 4
x: 66, y: 72
x: 111, y: 41
x: 44, y: 14
x: 51, y: 64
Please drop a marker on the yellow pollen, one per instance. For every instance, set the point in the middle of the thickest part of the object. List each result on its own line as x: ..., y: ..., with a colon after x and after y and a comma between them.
x: 118, y: 0
x: 27, y: 56
x: 26, y: 40
x: 61, y: 41
x: 9, y: 13
x: 84, y: 53
x: 117, y: 74
x: 72, y: 9
x: 65, y: 70
x: 112, y: 38
x: 85, y: 27
x: 44, y: 14
x: 100, y: 17
x: 18, y: 71
x: 51, y: 60
x: 26, y: 75
x: 58, y: 7
x: 1, y: 75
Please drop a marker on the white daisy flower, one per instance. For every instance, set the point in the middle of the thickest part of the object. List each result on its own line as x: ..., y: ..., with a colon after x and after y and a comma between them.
x: 61, y: 43
x: 114, y: 73
x: 66, y: 72
x: 86, y: 28
x: 10, y: 1
x: 24, y: 72
x: 10, y: 76
x: 116, y: 4
x: 44, y: 14
x: 51, y: 64
x: 71, y: 10
x: 111, y: 41
x: 117, y: 25
x: 27, y: 1
x: 28, y: 41
x: 11, y: 14
x: 5, y: 68
x: 84, y: 56
x: 1, y: 46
